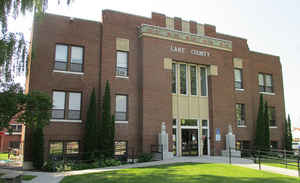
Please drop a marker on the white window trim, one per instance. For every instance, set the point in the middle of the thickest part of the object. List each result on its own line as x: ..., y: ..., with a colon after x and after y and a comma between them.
x: 122, y: 77
x: 69, y: 72
x: 267, y: 93
x: 241, y: 126
x: 241, y: 89
x: 121, y: 122
x: 273, y: 127
x: 13, y: 133
x: 65, y: 120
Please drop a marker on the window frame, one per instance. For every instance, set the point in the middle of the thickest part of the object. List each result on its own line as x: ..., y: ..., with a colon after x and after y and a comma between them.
x: 127, y: 116
x: 176, y: 84
x: 64, y: 149
x: 196, y: 78
x: 66, y: 106
x: 272, y: 112
x: 240, y: 82
x: 69, y: 58
x: 263, y: 88
x: 242, y: 114
x: 116, y: 66
x: 206, y: 81
x: 186, y: 79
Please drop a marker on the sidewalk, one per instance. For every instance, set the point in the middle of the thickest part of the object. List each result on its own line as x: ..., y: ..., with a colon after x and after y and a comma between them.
x: 57, y: 177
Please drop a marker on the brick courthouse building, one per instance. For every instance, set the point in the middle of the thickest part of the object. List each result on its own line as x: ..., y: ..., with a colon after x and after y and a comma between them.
x: 161, y: 69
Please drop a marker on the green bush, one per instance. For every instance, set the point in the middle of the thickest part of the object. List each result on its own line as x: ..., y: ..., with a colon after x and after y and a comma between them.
x: 111, y: 162
x: 144, y: 157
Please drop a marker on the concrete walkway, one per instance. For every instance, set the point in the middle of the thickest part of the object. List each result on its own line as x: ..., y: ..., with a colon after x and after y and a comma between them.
x: 57, y: 177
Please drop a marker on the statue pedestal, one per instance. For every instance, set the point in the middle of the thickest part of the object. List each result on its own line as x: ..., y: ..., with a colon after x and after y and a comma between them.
x: 164, y: 143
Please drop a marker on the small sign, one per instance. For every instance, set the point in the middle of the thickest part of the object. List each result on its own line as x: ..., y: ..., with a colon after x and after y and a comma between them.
x: 218, y: 134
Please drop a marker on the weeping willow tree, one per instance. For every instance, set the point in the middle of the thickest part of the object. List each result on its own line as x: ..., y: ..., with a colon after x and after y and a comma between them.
x: 13, y: 47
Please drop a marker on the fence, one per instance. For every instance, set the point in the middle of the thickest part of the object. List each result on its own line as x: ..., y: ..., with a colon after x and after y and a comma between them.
x: 272, y: 157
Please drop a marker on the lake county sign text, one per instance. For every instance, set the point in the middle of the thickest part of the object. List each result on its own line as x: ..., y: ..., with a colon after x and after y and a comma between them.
x: 192, y: 51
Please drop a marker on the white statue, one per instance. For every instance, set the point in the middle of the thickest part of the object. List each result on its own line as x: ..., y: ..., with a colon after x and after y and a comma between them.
x: 163, y: 127
x: 229, y: 129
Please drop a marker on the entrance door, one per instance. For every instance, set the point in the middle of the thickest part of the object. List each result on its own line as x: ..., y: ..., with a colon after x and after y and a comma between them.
x: 189, y: 142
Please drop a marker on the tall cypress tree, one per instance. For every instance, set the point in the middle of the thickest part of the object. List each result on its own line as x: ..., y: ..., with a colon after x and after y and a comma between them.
x: 260, y: 126
x: 289, y: 136
x: 38, y: 147
x: 107, y: 125
x: 286, y: 134
x: 90, y: 138
x: 267, y: 127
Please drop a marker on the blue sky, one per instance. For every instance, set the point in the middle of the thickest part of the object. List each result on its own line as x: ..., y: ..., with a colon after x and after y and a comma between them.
x: 270, y: 26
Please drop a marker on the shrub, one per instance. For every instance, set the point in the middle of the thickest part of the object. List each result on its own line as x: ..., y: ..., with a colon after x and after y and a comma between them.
x: 111, y: 162
x: 144, y: 157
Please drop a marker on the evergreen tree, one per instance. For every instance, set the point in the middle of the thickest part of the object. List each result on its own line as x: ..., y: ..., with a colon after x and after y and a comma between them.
x: 38, y: 147
x: 90, y: 138
x: 289, y: 134
x: 260, y: 126
x: 106, y: 135
x: 267, y: 127
x: 285, y: 134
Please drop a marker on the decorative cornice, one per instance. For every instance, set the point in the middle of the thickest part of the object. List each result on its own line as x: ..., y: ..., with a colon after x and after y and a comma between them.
x: 184, y: 37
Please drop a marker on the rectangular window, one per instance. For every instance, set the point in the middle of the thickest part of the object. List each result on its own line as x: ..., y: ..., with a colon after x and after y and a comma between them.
x: 58, y: 109
x: 203, y: 81
x: 72, y: 147
x: 272, y: 116
x: 121, y: 108
x: 183, y: 84
x: 71, y: 111
x: 14, y: 144
x: 68, y: 58
x: 240, y: 114
x: 174, y: 78
x: 122, y: 64
x: 56, y: 148
x: 74, y: 105
x: 76, y: 59
x: 193, y: 78
x: 265, y: 83
x: 16, y: 128
x: 120, y: 148
x: 174, y: 122
x: 61, y: 57
x: 238, y: 80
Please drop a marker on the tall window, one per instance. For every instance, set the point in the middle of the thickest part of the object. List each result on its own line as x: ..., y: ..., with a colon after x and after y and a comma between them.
x: 272, y: 116
x: 240, y: 114
x: 238, y: 79
x: 16, y: 127
x: 265, y: 83
x: 68, y: 58
x: 121, y: 108
x: 193, y: 79
x: 122, y: 64
x: 183, y: 86
x: 174, y: 78
x: 70, y: 111
x: 203, y: 81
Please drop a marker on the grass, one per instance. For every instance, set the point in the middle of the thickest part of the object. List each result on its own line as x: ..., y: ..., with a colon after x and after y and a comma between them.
x: 3, y: 156
x: 28, y: 177
x: 183, y: 172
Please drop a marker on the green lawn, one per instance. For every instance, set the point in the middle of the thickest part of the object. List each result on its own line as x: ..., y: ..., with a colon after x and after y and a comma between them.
x: 3, y: 156
x: 183, y: 173
x: 28, y: 177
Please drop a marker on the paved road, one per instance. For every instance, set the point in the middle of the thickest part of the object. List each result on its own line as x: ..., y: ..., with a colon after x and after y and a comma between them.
x: 43, y: 177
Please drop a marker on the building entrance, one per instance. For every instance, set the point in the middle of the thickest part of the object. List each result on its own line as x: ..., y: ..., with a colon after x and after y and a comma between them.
x: 189, y: 142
